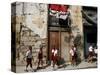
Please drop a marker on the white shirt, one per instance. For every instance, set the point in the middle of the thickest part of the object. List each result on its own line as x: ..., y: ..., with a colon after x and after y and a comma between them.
x: 54, y: 51
x: 90, y: 49
x: 96, y: 51
x: 72, y: 52
x: 75, y: 49
x: 28, y: 54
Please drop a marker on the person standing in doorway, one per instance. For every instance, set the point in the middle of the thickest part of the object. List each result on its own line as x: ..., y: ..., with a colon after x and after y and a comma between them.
x: 54, y: 56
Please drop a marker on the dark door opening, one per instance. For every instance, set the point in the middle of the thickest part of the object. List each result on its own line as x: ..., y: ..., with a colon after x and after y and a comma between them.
x: 90, y: 37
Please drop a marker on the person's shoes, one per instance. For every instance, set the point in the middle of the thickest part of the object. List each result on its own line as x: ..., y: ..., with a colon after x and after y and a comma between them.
x: 32, y: 70
x: 35, y: 70
x: 26, y: 70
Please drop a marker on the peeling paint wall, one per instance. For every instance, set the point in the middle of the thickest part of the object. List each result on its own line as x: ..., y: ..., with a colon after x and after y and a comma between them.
x: 34, y: 16
x: 30, y: 21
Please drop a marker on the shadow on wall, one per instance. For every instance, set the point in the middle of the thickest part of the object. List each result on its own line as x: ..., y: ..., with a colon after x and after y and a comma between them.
x: 78, y: 57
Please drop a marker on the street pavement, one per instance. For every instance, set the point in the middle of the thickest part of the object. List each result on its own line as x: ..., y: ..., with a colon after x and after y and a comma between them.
x: 82, y: 65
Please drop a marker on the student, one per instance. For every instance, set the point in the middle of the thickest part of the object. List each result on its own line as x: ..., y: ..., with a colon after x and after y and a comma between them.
x: 72, y: 55
x: 90, y: 55
x: 75, y: 55
x: 54, y: 56
x: 29, y: 58
x: 40, y: 57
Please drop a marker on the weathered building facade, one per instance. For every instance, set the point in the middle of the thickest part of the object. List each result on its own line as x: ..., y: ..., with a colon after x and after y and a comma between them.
x: 34, y: 26
x: 65, y: 33
x: 30, y: 21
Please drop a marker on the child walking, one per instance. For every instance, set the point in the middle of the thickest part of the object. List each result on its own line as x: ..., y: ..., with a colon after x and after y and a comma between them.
x: 29, y: 58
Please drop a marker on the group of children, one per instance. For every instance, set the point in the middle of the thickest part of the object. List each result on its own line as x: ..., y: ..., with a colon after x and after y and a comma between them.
x: 54, y: 56
x: 29, y: 58
x: 92, y: 54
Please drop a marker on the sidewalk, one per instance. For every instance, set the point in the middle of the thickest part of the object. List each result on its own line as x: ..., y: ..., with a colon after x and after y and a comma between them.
x: 82, y: 65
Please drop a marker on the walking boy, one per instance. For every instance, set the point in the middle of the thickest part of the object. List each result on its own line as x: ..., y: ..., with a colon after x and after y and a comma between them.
x: 40, y: 57
x: 29, y: 58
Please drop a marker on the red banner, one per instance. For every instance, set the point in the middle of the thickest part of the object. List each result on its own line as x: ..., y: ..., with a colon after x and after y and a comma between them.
x: 58, y: 7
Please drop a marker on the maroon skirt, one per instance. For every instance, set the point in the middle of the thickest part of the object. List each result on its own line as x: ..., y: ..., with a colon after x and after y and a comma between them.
x: 54, y: 58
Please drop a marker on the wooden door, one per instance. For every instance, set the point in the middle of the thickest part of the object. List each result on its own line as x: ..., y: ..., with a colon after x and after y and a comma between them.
x: 54, y: 41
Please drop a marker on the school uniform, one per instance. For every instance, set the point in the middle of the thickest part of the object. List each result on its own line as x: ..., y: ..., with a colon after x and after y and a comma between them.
x: 54, y: 54
x: 29, y: 58
x: 72, y: 54
x: 90, y: 51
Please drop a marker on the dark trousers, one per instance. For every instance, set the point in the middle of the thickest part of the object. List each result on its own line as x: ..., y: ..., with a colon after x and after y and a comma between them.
x: 29, y: 62
x: 40, y: 62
